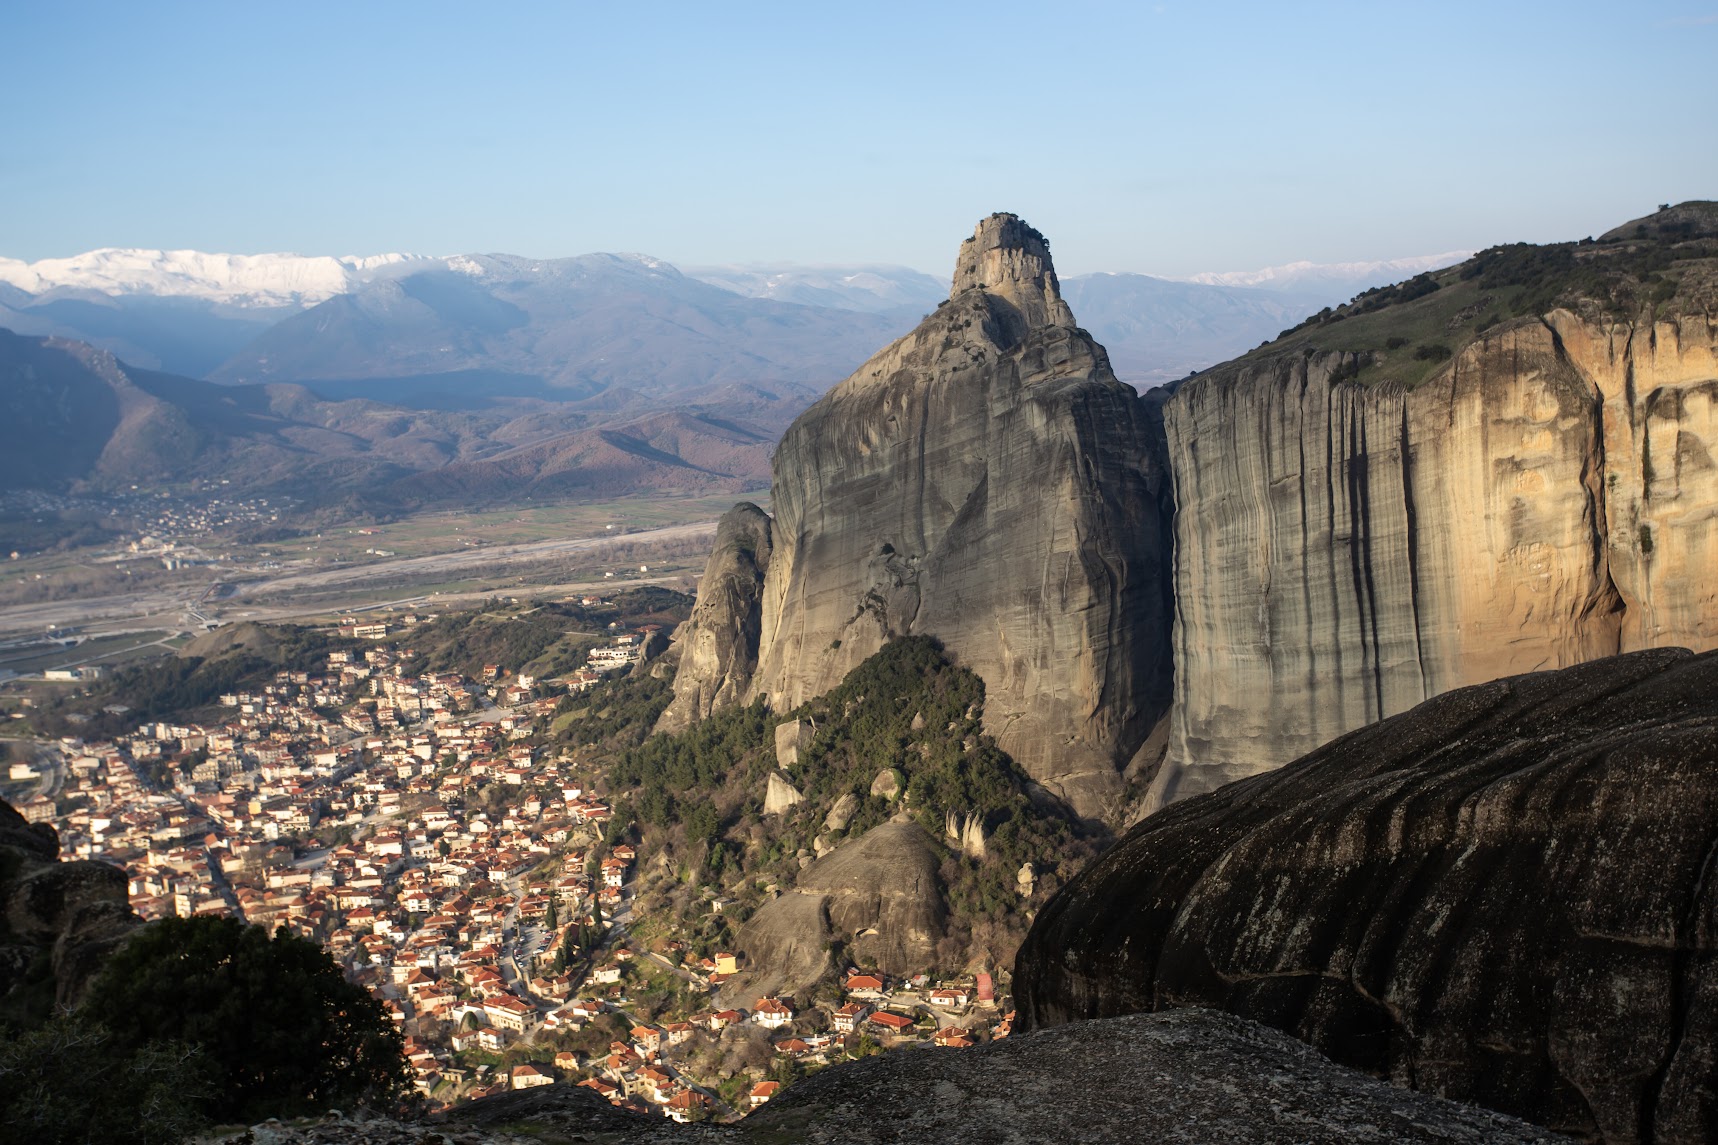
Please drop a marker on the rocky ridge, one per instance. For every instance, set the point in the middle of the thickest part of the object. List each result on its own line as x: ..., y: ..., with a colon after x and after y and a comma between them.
x: 1502, y: 895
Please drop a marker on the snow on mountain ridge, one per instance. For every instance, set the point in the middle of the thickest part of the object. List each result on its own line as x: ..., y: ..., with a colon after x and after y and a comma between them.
x: 1294, y: 274
x: 259, y: 280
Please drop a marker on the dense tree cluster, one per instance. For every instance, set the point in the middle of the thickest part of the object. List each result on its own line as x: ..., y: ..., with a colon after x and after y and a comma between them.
x: 196, y: 1021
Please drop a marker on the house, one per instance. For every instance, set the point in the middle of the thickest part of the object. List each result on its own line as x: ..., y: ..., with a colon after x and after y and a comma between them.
x: 868, y: 987
x: 529, y: 1076
x: 602, y: 1089
x: 892, y: 1023
x: 949, y: 998
x: 567, y: 1061
x: 647, y: 1039
x: 847, y: 1018
x: 763, y: 1091
x: 772, y: 1013
x: 727, y: 963
x: 509, y: 1013
x: 491, y: 1039
x: 722, y: 1019
x: 953, y: 1037
x: 687, y: 1104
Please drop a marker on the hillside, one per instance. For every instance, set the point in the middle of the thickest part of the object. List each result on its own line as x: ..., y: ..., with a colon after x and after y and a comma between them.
x: 664, y: 452
x: 888, y: 774
x: 76, y: 418
x: 1664, y: 264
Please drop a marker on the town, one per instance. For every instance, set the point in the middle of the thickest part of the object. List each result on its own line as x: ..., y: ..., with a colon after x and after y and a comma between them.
x: 424, y: 828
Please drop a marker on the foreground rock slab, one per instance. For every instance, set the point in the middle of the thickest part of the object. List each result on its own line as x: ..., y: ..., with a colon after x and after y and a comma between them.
x: 1505, y: 896
x: 1191, y: 1077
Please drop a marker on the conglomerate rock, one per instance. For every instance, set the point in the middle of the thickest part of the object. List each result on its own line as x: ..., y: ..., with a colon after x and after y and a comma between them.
x: 1504, y: 896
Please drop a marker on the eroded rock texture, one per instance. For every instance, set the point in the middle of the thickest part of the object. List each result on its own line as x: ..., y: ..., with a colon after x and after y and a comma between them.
x: 1344, y: 552
x: 719, y: 641
x: 987, y: 481
x: 1505, y: 895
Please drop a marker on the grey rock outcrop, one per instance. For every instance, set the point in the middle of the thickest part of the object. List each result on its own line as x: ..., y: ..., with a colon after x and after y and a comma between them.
x: 1344, y: 552
x: 880, y: 893
x: 1194, y: 1077
x: 987, y: 481
x: 791, y: 739
x: 965, y: 833
x: 1503, y: 895
x: 887, y: 784
x: 842, y: 813
x: 718, y: 644
x: 781, y: 794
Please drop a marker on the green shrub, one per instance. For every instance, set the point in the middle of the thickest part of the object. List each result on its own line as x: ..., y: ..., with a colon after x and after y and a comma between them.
x: 70, y: 1083
x: 282, y: 1031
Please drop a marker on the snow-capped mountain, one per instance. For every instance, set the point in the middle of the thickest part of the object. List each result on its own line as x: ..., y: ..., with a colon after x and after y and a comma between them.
x: 870, y: 288
x: 251, y: 280
x: 1304, y: 277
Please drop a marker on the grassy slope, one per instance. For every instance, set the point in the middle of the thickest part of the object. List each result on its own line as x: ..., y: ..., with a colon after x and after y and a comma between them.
x: 1656, y: 267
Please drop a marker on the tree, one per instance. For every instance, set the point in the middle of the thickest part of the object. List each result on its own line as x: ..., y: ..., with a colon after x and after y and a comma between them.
x: 68, y: 1083
x: 282, y: 1030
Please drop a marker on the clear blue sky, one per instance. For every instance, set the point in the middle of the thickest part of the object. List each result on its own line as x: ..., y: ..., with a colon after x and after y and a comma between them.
x: 1167, y: 138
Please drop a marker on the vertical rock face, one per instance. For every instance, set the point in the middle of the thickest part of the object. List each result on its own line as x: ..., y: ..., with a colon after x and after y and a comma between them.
x: 985, y: 480
x: 1344, y: 552
x: 719, y: 642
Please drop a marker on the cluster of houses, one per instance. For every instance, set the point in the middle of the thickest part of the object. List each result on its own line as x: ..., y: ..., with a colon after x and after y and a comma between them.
x: 425, y: 838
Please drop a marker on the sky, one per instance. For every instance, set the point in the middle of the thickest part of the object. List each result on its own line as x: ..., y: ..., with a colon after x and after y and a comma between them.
x: 1162, y: 138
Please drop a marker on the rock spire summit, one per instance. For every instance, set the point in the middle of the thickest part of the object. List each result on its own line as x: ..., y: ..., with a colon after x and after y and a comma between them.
x: 1010, y: 260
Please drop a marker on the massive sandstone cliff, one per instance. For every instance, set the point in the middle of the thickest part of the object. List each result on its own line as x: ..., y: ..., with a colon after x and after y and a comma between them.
x: 1504, y: 896
x: 1344, y: 551
x: 987, y: 481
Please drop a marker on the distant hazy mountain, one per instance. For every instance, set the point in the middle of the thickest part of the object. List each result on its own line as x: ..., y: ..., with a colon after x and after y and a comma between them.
x: 571, y: 329
x: 75, y: 417
x: 1156, y: 329
x: 184, y: 312
x: 620, y: 335
x: 874, y: 289
x: 663, y: 452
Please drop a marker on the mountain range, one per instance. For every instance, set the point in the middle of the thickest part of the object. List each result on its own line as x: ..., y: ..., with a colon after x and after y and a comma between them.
x: 407, y: 378
x: 468, y: 327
